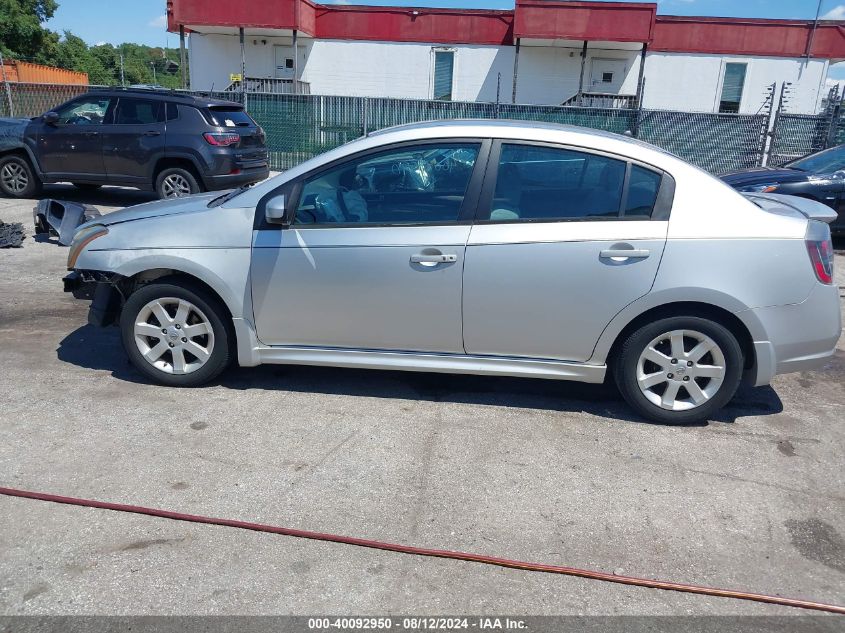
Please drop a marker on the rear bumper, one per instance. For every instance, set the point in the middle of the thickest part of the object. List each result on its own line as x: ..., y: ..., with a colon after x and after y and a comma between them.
x: 230, y: 181
x: 800, y: 336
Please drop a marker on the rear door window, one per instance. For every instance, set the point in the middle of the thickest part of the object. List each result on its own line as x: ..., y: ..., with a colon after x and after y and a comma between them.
x: 228, y: 116
x: 138, y: 111
x: 643, y: 186
x: 537, y: 183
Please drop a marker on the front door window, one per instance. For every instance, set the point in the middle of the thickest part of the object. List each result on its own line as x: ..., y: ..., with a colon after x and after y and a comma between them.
x: 423, y: 184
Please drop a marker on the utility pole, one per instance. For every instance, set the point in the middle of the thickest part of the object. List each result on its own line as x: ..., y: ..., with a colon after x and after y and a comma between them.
x: 153, y: 66
x: 812, y: 35
x: 6, y: 84
x: 122, y: 79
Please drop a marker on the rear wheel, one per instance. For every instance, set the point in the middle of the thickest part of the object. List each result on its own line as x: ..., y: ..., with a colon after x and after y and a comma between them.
x: 176, y: 182
x: 176, y: 334
x: 679, y: 370
x: 17, y: 178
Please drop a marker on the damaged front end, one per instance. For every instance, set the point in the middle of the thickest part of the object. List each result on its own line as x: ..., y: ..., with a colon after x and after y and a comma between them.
x: 104, y: 291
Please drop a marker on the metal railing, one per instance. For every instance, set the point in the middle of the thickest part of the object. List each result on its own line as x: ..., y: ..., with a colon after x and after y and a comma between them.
x: 271, y: 85
x: 602, y: 100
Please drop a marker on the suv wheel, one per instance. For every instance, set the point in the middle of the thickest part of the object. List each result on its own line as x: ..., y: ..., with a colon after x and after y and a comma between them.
x: 176, y: 334
x: 17, y: 178
x: 679, y: 370
x: 176, y: 182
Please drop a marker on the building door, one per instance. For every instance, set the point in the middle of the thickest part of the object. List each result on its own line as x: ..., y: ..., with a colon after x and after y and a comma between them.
x: 284, y: 65
x: 607, y: 75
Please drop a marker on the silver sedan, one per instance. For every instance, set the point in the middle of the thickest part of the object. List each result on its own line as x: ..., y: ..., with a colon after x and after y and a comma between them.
x: 481, y: 247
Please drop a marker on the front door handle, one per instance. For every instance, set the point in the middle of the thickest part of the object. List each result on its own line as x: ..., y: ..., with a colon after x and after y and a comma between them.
x: 614, y: 253
x: 431, y: 260
x: 152, y: 133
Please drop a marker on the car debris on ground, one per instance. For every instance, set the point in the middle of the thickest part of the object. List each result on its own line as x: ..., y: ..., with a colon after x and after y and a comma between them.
x: 12, y: 234
x: 60, y: 218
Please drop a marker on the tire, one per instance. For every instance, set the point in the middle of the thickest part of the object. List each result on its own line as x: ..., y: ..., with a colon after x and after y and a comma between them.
x: 176, y: 182
x: 86, y: 186
x: 17, y: 178
x: 141, y: 326
x: 645, y: 362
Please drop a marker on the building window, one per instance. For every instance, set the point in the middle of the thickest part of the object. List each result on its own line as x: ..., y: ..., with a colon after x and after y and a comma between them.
x: 732, y: 86
x: 444, y: 66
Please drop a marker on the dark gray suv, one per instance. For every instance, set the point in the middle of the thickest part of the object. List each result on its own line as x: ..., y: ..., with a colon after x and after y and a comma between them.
x: 172, y: 143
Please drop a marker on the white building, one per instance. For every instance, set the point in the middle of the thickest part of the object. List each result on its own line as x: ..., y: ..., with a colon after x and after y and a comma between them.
x: 542, y: 52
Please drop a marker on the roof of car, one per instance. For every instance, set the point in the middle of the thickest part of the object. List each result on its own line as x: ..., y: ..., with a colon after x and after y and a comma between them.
x: 197, y: 99
x: 512, y: 128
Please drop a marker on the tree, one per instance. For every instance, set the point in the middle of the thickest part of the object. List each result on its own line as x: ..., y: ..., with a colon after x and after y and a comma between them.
x: 21, y: 32
x: 73, y: 53
x: 23, y: 36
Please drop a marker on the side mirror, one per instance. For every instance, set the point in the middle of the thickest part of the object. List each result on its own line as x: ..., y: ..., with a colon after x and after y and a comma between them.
x: 51, y: 118
x: 275, y: 210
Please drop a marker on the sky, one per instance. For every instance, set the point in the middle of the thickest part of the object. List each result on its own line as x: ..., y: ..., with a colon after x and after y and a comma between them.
x: 143, y: 21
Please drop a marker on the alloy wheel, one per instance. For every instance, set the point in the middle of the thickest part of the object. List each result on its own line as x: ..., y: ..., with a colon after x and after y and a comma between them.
x: 15, y: 177
x: 173, y: 335
x: 681, y: 370
x: 176, y: 186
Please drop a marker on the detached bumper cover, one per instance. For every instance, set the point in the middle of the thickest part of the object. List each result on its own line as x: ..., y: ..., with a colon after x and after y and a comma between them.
x: 61, y: 218
x: 96, y: 287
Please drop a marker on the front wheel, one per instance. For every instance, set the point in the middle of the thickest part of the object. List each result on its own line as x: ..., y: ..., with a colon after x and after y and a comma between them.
x: 178, y: 335
x: 679, y: 370
x: 17, y: 178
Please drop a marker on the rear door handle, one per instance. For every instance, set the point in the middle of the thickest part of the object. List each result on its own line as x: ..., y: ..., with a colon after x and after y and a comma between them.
x: 420, y: 258
x: 152, y: 133
x: 636, y: 253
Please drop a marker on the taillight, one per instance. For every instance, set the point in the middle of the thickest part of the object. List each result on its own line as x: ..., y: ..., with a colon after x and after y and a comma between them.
x: 222, y: 138
x: 820, y: 248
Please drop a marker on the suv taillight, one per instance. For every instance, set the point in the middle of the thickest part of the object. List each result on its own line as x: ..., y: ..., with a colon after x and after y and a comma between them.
x: 222, y: 138
x: 820, y: 248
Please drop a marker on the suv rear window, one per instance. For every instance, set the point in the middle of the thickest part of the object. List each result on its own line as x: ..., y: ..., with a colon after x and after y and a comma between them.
x: 229, y: 116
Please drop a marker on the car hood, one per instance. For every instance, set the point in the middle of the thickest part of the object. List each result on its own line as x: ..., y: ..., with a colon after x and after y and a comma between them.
x: 12, y: 132
x: 761, y: 175
x: 175, y: 206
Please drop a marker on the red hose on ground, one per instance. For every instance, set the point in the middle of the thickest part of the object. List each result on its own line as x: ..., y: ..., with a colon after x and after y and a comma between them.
x: 438, y: 553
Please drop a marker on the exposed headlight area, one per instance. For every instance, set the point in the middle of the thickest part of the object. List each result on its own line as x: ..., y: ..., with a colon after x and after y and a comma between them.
x: 81, y: 239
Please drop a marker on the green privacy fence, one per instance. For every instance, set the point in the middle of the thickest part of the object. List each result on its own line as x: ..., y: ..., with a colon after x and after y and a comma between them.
x: 301, y: 126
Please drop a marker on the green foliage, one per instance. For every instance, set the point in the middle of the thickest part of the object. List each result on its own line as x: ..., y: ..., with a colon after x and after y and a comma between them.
x: 23, y: 36
x: 21, y: 33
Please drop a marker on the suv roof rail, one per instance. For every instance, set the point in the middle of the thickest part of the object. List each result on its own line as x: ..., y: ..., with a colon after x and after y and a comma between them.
x: 168, y: 92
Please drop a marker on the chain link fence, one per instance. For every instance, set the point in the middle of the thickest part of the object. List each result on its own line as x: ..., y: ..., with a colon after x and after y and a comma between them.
x: 796, y: 135
x: 299, y: 127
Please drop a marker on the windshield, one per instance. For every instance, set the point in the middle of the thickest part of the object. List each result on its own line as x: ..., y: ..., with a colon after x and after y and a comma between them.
x: 826, y: 162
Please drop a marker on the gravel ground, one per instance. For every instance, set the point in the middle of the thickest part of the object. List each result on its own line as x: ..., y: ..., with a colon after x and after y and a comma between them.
x: 555, y: 472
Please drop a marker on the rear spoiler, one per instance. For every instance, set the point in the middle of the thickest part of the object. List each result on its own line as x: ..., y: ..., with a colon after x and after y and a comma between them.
x: 788, y: 205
